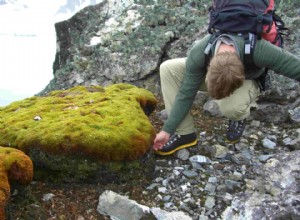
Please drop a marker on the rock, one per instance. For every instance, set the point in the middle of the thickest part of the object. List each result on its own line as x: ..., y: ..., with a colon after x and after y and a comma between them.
x: 190, y: 174
x: 295, y: 114
x: 212, y: 108
x: 47, y: 197
x: 183, y: 154
x: 200, y: 159
x: 209, y: 202
x: 122, y: 208
x: 280, y: 180
x: 221, y: 151
x: 113, y: 32
x: 264, y: 158
x: 162, y: 115
x: 210, y: 188
x: 269, y: 144
x: 163, y: 215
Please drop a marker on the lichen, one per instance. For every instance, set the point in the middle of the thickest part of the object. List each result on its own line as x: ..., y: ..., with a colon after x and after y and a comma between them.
x: 14, y: 166
x: 105, y: 123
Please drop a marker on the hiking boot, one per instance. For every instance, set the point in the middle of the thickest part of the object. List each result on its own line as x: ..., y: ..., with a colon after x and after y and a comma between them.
x: 235, y: 131
x: 178, y: 142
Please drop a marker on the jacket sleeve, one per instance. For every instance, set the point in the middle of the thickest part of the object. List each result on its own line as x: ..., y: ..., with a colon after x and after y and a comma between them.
x: 277, y: 59
x: 194, y: 74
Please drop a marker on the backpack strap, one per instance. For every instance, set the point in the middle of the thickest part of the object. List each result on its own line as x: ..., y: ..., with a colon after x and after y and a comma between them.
x: 250, y: 41
x: 271, y: 6
x: 208, y: 48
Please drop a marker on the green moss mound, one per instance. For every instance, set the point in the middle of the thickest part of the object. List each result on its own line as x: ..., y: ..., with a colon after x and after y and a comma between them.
x: 103, y: 123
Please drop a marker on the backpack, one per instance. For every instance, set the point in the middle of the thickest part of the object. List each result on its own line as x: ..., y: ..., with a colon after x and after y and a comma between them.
x: 252, y: 19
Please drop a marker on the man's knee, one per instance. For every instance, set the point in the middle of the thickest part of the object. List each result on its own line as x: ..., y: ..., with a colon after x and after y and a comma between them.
x: 234, y: 111
x: 174, y: 68
x: 164, y: 68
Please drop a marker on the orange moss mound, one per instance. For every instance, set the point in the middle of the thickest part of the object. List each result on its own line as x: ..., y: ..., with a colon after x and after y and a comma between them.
x: 107, y: 123
x: 14, y: 166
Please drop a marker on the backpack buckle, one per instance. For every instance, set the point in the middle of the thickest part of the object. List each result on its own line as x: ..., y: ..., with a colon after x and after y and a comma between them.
x: 207, y: 48
x: 260, y: 18
x: 250, y: 43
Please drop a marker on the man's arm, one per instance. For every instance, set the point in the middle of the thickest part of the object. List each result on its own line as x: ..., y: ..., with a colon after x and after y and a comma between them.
x: 277, y: 59
x: 195, y: 73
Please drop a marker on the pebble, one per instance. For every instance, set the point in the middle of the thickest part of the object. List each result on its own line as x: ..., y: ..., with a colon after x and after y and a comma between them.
x: 47, y: 197
x: 183, y: 154
x: 267, y: 143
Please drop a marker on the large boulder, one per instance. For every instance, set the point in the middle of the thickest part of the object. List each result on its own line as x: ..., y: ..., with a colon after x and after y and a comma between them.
x: 127, y: 40
x: 122, y: 41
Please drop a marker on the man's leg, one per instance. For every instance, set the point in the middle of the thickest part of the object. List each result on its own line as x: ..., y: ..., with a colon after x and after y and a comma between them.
x: 171, y: 76
x: 237, y: 106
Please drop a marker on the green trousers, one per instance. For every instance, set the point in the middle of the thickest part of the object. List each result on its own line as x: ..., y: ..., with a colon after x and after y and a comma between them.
x: 235, y: 107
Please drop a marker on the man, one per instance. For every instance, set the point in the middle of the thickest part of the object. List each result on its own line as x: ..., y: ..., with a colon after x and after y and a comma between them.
x: 234, y: 86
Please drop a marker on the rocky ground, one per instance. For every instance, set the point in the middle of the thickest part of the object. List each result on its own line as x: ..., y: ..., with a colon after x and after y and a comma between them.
x: 202, y: 191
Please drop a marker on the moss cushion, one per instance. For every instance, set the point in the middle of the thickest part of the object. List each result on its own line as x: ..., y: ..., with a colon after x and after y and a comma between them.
x: 105, y: 123
x: 14, y: 166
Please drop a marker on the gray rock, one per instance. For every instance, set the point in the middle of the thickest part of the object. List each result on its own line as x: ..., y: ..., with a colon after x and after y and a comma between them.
x: 295, y: 114
x: 190, y: 173
x: 282, y: 178
x: 97, y: 49
x: 210, y: 188
x: 183, y: 154
x: 264, y: 158
x: 212, y: 179
x: 120, y: 207
x: 221, y: 151
x: 212, y: 108
x: 162, y: 115
x: 269, y: 144
x: 47, y: 197
x: 203, y: 217
x: 210, y: 202
x: 163, y: 215
x: 201, y: 98
x: 232, y: 186
x: 200, y: 159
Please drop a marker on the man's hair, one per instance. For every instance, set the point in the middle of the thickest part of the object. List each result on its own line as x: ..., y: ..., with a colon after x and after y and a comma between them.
x: 225, y: 74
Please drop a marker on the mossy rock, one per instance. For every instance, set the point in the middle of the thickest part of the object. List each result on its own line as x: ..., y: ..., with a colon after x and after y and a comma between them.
x: 15, y: 166
x: 108, y: 124
x: 90, y: 126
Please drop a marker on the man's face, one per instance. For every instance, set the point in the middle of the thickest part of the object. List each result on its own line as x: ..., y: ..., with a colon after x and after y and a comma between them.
x: 226, y: 48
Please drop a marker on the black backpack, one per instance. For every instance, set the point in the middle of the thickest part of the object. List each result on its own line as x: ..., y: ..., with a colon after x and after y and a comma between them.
x: 252, y: 19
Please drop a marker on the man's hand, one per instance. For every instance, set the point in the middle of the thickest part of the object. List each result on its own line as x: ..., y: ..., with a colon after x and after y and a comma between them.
x: 161, y: 139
